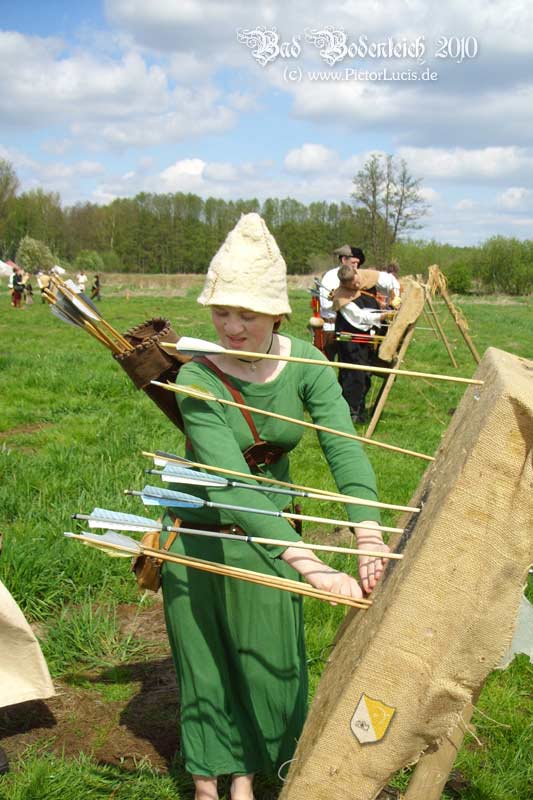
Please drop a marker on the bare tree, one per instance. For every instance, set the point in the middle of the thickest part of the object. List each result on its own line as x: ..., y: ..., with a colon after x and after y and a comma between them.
x: 9, y: 183
x: 391, y: 197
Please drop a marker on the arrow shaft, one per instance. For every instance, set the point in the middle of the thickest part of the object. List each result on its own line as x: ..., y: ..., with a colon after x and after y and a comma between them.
x: 243, y: 537
x: 334, y: 364
x: 301, y: 422
x: 199, y: 502
x: 297, y: 490
x: 274, y: 582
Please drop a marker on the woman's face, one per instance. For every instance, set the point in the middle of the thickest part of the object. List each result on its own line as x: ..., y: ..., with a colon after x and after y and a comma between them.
x: 241, y: 329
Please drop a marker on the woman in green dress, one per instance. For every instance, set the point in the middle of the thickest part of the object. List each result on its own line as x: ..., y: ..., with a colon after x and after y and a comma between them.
x: 238, y: 648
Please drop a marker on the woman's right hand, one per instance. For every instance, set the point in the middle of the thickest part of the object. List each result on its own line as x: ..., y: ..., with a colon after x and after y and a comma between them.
x: 320, y: 575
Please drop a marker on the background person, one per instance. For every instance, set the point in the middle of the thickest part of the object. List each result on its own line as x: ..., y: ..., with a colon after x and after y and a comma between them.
x: 346, y: 255
x: 81, y: 280
x: 17, y: 291
x: 238, y: 648
x: 359, y: 312
x: 95, y: 288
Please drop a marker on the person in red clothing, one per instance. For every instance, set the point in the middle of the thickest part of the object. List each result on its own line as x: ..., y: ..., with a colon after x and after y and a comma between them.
x: 18, y: 288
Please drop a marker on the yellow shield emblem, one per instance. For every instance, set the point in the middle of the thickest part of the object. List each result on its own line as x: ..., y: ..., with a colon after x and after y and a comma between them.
x: 371, y: 720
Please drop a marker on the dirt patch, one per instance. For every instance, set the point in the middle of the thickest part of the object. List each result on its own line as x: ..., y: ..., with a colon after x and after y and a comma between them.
x: 37, y: 426
x: 119, y: 715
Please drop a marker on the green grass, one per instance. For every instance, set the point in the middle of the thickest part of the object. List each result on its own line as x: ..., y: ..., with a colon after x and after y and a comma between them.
x: 72, y: 428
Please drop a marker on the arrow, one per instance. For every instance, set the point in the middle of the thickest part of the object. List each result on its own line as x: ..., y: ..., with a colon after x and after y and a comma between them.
x: 188, y: 345
x: 101, y: 518
x: 200, y: 394
x: 161, y: 459
x: 155, y: 496
x: 81, y: 311
x: 173, y: 473
x: 285, y: 584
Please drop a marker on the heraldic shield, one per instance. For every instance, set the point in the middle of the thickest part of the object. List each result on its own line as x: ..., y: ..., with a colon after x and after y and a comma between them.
x: 371, y: 720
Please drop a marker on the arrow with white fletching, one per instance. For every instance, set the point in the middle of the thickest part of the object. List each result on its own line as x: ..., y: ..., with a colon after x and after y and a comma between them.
x: 174, y: 473
x: 161, y: 459
x: 104, y: 519
x: 155, y: 496
x: 124, y: 546
x: 129, y: 547
x: 189, y: 346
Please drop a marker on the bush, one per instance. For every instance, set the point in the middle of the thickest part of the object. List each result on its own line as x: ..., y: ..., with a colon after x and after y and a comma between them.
x: 32, y: 254
x: 112, y: 262
x: 506, y: 265
x: 89, y: 260
x: 459, y: 277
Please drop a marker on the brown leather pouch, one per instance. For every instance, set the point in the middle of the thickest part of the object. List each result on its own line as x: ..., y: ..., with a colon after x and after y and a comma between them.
x: 147, y: 569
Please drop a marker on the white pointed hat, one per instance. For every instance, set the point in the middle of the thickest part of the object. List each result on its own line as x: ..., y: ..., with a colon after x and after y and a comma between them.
x: 248, y: 271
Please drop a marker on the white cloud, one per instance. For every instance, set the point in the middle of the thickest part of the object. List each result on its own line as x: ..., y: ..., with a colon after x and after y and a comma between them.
x: 39, y: 82
x: 514, y: 198
x: 120, y: 102
x: 57, y: 147
x: 310, y: 158
x: 429, y: 195
x: 466, y: 205
x: 193, y: 114
x: 487, y: 163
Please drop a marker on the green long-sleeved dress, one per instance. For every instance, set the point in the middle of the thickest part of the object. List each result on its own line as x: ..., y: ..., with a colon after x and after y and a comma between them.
x: 239, y: 648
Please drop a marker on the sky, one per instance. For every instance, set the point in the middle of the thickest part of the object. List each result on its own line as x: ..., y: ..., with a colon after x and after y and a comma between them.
x: 228, y: 99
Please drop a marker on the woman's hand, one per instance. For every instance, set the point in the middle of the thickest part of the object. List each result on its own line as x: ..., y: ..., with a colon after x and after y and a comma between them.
x: 370, y: 567
x: 320, y: 575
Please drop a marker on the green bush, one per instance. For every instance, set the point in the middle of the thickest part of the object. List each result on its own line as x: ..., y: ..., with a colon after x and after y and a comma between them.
x: 32, y: 254
x: 506, y: 265
x: 89, y: 260
x: 459, y: 277
x: 112, y: 262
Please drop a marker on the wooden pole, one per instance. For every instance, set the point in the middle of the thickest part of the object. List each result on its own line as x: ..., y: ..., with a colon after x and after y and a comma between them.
x: 457, y: 319
x: 430, y: 321
x: 380, y: 405
x: 432, y: 770
x: 440, y: 329
x: 211, y: 398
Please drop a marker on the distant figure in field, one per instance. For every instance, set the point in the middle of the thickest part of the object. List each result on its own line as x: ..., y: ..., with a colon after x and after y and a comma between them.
x: 347, y: 255
x: 18, y: 288
x: 28, y: 289
x: 81, y: 280
x: 95, y: 288
x: 359, y: 314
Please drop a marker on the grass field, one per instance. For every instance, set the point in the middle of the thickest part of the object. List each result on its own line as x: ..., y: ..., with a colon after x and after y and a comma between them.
x: 72, y: 428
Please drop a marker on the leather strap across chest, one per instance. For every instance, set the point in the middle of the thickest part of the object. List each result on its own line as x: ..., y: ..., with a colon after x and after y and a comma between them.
x: 260, y: 452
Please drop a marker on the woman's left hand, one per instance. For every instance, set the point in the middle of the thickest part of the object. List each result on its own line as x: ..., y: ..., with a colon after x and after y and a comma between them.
x: 370, y: 567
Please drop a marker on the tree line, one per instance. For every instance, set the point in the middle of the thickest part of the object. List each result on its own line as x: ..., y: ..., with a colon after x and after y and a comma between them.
x: 180, y: 232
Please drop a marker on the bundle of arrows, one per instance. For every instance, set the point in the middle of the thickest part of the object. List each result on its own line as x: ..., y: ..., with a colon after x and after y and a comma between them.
x: 181, y: 473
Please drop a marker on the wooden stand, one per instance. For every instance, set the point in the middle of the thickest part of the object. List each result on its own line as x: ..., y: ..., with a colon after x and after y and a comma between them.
x: 432, y: 771
x: 401, y: 675
x: 437, y: 283
x: 439, y: 327
x: 388, y: 384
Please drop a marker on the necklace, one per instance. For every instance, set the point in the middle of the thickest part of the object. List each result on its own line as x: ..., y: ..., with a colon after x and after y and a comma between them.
x: 252, y: 363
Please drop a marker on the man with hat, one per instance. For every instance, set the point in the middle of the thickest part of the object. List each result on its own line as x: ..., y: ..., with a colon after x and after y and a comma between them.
x: 359, y: 315
x: 352, y: 256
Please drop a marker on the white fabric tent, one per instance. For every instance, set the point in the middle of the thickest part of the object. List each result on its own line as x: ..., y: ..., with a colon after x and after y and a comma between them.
x: 5, y: 269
